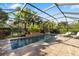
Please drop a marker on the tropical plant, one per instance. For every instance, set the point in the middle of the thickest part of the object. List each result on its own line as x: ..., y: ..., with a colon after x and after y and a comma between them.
x: 48, y: 25
x: 63, y: 27
x: 3, y: 17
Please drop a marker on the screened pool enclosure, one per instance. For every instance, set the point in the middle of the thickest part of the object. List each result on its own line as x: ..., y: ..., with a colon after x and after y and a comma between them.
x: 50, y: 12
x: 24, y: 19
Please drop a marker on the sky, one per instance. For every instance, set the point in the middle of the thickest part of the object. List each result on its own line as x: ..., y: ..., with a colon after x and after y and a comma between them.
x: 42, y: 6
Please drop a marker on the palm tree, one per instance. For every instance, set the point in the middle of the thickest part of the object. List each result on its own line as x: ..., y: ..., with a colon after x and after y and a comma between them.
x: 63, y: 27
x: 48, y: 26
x: 25, y: 17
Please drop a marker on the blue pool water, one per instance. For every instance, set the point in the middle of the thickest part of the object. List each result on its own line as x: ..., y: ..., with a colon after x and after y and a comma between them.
x: 20, y: 42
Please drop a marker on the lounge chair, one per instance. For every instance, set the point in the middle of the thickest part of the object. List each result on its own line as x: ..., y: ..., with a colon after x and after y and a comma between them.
x: 67, y: 34
x: 75, y: 36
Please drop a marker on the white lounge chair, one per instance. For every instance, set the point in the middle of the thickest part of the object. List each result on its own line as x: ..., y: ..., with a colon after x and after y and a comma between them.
x: 67, y: 34
x: 75, y: 36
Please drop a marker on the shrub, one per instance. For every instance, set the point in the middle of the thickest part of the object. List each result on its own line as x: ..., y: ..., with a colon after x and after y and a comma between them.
x: 55, y: 31
x: 4, y: 32
x: 34, y: 28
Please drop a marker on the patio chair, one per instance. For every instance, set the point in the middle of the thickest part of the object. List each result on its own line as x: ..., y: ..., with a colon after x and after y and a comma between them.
x: 67, y: 34
x: 75, y: 36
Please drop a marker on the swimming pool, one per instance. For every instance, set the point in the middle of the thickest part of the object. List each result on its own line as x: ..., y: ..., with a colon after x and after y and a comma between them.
x: 20, y: 42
